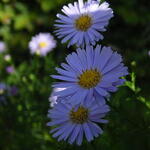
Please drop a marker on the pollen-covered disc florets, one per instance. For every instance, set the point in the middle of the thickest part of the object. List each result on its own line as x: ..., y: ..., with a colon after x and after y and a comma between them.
x: 42, y: 44
x: 83, y: 23
x: 79, y: 116
x: 89, y: 78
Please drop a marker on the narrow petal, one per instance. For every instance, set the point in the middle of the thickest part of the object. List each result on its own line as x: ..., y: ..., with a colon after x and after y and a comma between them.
x: 74, y: 134
x: 64, y: 78
x: 87, y: 132
x: 101, y: 91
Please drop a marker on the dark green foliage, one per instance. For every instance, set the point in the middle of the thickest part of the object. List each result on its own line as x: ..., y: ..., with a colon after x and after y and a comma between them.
x: 23, y: 119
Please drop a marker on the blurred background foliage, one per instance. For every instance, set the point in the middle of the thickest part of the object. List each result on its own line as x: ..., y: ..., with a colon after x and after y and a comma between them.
x: 23, y: 117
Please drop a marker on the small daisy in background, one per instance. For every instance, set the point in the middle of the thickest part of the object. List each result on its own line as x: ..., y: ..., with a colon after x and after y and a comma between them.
x: 2, y: 46
x: 82, y: 23
x: 90, y: 72
x: 7, y: 57
x: 42, y: 43
x: 10, y: 69
x: 54, y: 99
x: 74, y: 122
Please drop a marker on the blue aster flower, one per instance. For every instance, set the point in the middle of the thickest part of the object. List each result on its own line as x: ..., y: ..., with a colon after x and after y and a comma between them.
x: 72, y: 122
x: 90, y: 72
x: 82, y: 23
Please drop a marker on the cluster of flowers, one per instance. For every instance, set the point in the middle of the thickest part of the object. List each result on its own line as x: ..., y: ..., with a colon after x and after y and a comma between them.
x: 89, y: 74
x: 9, y: 69
x: 5, y: 89
x: 40, y: 44
x: 79, y: 99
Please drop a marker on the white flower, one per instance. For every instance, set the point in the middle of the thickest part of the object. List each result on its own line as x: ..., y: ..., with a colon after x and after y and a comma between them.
x: 7, y: 57
x: 42, y: 43
x: 53, y: 99
x: 2, y: 47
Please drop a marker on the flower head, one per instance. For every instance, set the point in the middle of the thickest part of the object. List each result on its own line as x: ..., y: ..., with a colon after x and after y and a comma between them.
x: 82, y: 23
x: 10, y: 69
x: 7, y: 58
x: 72, y: 122
x: 2, y: 47
x: 90, y: 72
x: 42, y: 43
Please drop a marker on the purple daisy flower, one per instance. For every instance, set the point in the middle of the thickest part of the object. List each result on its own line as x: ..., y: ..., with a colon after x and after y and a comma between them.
x: 90, y: 73
x: 82, y: 23
x: 72, y: 122
x: 42, y: 43
x: 10, y: 69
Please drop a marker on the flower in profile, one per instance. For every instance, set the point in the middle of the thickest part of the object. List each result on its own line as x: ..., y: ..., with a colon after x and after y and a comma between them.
x: 82, y: 23
x: 72, y: 122
x: 54, y: 99
x: 2, y: 46
x: 10, y: 69
x: 42, y: 43
x: 90, y: 72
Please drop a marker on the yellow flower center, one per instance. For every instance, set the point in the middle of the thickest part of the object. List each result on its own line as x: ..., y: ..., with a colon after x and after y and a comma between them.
x: 89, y: 78
x: 80, y: 116
x: 42, y: 44
x: 83, y: 23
